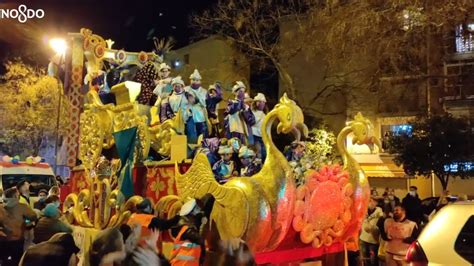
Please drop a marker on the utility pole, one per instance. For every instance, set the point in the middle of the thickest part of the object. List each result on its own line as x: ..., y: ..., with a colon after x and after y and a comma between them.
x: 58, y: 119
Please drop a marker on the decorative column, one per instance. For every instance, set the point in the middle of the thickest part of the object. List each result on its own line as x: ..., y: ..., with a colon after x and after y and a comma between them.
x: 75, y: 97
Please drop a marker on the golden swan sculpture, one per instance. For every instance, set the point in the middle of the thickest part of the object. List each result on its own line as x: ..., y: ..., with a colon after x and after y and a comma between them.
x: 259, y: 208
x: 363, y: 133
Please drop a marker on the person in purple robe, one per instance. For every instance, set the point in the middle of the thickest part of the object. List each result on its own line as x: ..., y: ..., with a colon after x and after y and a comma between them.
x: 250, y: 164
x: 210, y: 147
x: 224, y: 168
x: 239, y: 117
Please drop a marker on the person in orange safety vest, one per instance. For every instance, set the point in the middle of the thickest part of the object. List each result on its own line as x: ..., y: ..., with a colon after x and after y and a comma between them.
x: 189, y: 248
x: 143, y: 217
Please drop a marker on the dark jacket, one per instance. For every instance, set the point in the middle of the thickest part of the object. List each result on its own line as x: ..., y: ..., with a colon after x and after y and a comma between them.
x: 413, y: 208
x: 39, y: 205
x: 47, y: 227
x: 14, y: 219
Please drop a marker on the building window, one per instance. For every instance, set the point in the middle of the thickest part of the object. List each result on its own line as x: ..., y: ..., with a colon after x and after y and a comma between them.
x: 464, y: 38
x: 394, y: 130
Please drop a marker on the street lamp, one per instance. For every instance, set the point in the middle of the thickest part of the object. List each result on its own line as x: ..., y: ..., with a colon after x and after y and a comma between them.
x: 59, y: 46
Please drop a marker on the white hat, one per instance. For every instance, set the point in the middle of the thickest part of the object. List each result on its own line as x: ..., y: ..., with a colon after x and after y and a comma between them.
x: 225, y: 150
x: 245, y: 152
x: 187, y: 207
x: 191, y: 92
x: 212, y: 87
x: 163, y: 66
x: 260, y: 97
x: 238, y: 85
x: 177, y: 80
x: 195, y: 75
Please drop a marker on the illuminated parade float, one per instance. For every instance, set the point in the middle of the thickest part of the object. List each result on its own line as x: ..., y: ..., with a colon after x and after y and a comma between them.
x: 262, y: 205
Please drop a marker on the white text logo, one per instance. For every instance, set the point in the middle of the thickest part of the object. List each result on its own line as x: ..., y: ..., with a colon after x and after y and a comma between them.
x: 22, y: 13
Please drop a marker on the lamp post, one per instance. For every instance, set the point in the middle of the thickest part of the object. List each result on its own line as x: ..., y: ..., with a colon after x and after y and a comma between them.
x: 59, y: 46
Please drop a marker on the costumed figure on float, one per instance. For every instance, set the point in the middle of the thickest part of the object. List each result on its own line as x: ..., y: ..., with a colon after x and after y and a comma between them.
x: 214, y: 97
x: 259, y: 105
x: 239, y: 117
x: 198, y: 107
x: 255, y: 199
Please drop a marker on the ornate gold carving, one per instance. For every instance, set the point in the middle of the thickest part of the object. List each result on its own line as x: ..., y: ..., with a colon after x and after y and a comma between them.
x: 259, y: 208
x: 97, y: 205
x: 362, y: 129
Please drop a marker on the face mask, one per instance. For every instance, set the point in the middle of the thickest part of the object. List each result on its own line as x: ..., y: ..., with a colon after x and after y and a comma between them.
x: 57, y: 204
x: 42, y: 199
x: 413, y: 193
x: 386, y: 201
x: 391, y: 197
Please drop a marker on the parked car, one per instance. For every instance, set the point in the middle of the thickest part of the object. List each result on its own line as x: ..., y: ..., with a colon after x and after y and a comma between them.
x: 429, y: 204
x: 448, y: 239
x: 40, y: 176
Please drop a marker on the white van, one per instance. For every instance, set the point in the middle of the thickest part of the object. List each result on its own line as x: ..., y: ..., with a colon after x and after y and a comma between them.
x: 40, y: 176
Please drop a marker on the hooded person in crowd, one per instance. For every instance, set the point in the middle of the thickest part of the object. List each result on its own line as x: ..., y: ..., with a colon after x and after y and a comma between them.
x: 14, y: 217
x: 50, y: 224
x: 60, y: 249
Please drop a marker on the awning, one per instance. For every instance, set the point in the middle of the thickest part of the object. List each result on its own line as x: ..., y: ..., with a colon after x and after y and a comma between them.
x: 375, y: 165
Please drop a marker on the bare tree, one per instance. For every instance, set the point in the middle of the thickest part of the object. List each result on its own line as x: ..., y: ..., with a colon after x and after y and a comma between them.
x: 399, y: 39
x: 363, y: 43
x: 253, y: 26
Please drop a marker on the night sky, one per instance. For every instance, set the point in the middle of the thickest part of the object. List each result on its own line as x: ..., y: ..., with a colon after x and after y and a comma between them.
x: 131, y: 24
